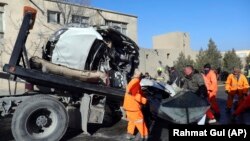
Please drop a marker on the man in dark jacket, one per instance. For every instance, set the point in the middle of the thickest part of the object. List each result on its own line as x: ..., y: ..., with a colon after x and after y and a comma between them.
x: 194, y: 82
x: 173, y: 75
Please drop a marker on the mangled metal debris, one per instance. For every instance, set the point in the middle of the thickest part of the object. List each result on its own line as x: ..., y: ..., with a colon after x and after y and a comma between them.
x: 104, y: 50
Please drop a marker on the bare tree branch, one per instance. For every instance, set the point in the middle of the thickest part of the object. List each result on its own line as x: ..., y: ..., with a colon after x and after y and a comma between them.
x: 16, y: 23
x: 67, y: 8
x: 41, y: 21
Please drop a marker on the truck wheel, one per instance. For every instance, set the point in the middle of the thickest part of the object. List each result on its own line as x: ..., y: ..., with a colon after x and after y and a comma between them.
x: 39, y: 118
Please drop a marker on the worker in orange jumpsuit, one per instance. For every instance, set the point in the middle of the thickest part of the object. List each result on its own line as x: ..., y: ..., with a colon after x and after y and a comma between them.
x: 133, y: 102
x: 212, y: 88
x: 236, y: 84
x: 242, y: 107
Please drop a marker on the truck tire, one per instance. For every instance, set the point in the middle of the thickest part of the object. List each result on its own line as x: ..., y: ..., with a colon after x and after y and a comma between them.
x: 39, y: 118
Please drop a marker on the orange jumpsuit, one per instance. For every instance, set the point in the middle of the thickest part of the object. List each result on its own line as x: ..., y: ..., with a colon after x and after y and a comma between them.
x: 236, y: 86
x: 212, y: 88
x: 132, y: 104
x: 243, y: 106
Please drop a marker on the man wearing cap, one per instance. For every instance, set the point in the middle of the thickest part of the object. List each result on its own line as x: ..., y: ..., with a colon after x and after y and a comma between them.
x: 133, y: 101
x: 173, y: 75
x: 159, y: 76
x: 212, y: 88
x: 147, y: 76
x: 236, y: 84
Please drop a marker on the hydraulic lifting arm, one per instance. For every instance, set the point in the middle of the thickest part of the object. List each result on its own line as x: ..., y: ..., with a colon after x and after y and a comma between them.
x: 19, y: 50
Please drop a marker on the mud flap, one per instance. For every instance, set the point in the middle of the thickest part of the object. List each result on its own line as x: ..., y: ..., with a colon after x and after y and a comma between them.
x: 84, y: 109
x: 92, y: 110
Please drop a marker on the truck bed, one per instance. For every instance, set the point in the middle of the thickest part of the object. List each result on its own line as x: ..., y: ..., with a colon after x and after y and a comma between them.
x: 63, y: 83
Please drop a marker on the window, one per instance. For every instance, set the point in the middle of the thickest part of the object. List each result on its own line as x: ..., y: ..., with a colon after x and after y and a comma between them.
x: 122, y: 27
x: 1, y: 22
x: 81, y: 20
x: 53, y: 17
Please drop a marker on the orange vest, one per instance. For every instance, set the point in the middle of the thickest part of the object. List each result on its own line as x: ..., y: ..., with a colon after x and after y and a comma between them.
x: 211, y: 82
x: 133, y: 96
x: 241, y: 85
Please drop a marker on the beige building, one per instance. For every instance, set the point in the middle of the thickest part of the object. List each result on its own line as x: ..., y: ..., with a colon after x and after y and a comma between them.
x: 173, y: 40
x: 50, y: 17
x: 166, y: 50
x: 242, y: 54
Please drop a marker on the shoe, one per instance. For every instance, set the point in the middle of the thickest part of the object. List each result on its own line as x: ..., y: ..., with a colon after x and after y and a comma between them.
x: 211, y: 121
x: 130, y: 136
x: 144, y: 138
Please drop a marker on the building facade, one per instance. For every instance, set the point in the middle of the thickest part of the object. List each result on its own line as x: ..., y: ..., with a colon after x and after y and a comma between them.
x: 242, y: 54
x: 51, y: 16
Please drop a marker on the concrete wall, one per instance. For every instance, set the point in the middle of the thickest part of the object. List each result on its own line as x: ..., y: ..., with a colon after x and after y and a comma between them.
x: 151, y: 59
x: 174, y: 40
x: 166, y: 49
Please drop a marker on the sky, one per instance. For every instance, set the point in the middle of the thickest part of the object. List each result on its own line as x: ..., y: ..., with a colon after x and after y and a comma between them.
x: 227, y: 22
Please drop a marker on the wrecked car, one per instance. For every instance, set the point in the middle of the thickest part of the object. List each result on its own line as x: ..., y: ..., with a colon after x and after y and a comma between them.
x: 103, y: 50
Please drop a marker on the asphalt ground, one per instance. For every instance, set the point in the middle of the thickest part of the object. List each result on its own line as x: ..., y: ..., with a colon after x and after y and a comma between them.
x: 117, y: 132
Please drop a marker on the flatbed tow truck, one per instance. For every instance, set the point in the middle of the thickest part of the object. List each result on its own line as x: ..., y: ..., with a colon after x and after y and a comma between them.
x: 46, y: 116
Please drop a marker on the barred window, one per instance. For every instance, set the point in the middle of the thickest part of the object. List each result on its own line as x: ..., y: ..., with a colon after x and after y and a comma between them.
x: 81, y: 20
x: 53, y: 17
x: 122, y: 27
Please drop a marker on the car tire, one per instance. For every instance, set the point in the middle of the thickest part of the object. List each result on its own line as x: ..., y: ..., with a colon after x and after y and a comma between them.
x: 39, y: 118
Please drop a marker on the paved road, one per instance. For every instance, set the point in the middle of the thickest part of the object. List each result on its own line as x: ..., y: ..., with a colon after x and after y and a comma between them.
x: 225, y: 117
x: 118, y: 131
